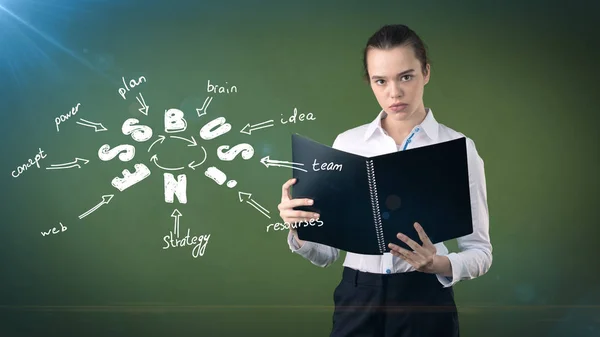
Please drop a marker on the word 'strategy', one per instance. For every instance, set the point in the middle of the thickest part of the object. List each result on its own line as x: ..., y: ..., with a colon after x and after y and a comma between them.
x: 278, y: 226
x: 199, y: 242
x: 36, y: 161
x: 172, y: 240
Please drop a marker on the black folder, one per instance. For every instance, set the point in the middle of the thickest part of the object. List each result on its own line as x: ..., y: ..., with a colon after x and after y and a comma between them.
x: 364, y: 202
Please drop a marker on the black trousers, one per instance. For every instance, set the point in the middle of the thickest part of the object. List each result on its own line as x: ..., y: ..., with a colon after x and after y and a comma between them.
x: 411, y: 304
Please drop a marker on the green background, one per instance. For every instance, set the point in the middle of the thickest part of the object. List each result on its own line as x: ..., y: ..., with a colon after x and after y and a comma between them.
x: 518, y: 78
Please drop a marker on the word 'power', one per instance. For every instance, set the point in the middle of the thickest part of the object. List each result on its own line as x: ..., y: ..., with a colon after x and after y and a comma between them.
x: 65, y: 117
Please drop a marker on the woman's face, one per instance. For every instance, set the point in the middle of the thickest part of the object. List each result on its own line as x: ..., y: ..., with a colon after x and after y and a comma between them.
x: 397, y: 81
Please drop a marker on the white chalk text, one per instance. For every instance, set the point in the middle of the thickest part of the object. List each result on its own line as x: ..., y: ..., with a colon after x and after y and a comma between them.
x: 36, y: 161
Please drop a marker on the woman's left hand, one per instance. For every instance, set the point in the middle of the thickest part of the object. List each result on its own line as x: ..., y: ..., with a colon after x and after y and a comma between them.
x: 422, y: 257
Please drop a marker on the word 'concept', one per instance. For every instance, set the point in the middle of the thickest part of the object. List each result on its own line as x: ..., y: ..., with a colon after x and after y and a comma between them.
x: 286, y: 225
x: 326, y: 166
x: 65, y: 117
x: 36, y: 161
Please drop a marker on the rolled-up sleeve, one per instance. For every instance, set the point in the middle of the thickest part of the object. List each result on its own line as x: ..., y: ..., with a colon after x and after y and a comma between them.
x: 475, y: 256
x: 318, y: 254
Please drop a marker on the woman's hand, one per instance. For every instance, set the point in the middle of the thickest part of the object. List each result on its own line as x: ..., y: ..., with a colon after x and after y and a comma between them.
x: 287, y: 212
x: 422, y: 257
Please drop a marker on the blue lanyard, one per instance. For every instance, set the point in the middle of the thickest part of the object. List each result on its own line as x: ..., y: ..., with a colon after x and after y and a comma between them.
x: 409, y: 139
x: 394, y: 258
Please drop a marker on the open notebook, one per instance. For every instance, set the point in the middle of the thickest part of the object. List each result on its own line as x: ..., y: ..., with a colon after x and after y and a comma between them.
x: 365, y: 201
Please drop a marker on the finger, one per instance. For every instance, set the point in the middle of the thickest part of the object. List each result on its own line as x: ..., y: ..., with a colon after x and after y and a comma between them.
x: 297, y: 222
x: 405, y: 255
x: 403, y: 251
x: 290, y: 204
x: 422, y: 235
x: 415, y: 246
x: 285, y: 189
x: 292, y: 214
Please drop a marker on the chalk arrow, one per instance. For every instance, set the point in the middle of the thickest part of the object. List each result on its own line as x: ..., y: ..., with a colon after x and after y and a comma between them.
x: 176, y: 214
x: 154, y: 159
x: 144, y: 108
x: 253, y: 203
x: 160, y: 139
x: 202, y: 111
x: 193, y: 164
x: 262, y: 125
x: 192, y: 142
x: 105, y: 200
x: 97, y: 126
x: 278, y: 163
x: 71, y: 164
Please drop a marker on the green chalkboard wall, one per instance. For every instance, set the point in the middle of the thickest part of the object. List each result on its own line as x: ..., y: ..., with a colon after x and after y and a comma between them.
x: 86, y: 245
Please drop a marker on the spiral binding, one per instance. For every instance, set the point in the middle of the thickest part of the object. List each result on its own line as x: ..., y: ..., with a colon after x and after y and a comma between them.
x: 375, y: 205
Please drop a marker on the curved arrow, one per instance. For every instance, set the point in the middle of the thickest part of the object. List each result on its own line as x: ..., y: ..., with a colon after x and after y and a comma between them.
x: 160, y: 139
x: 154, y: 159
x: 192, y: 166
x: 192, y: 142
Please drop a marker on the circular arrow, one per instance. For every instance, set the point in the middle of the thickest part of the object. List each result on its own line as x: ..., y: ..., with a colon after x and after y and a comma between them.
x: 192, y: 142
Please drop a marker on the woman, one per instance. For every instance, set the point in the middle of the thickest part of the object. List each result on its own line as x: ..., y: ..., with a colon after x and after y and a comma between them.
x: 407, y: 292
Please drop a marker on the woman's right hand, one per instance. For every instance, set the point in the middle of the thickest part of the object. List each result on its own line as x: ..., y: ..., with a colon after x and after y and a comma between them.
x: 286, y: 207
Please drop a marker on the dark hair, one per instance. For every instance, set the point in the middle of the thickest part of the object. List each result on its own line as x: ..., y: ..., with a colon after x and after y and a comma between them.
x: 390, y: 36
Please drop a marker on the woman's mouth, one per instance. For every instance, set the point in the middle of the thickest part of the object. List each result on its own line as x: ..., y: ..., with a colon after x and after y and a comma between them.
x: 398, y: 107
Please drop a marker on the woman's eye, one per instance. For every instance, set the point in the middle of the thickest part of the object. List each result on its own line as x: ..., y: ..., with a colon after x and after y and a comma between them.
x: 408, y: 77
x: 379, y: 81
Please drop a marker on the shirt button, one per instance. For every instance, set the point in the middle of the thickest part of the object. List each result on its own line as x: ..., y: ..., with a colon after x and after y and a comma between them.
x: 388, y: 271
